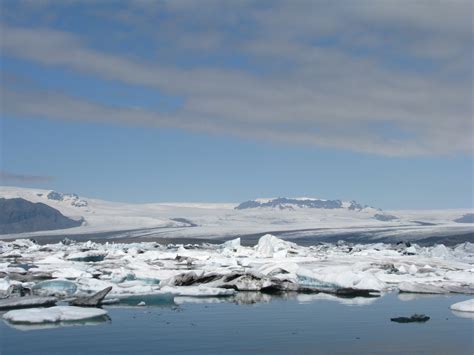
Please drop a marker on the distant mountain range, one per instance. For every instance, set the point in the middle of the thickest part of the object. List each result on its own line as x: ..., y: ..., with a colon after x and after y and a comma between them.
x: 304, y: 202
x: 32, y: 212
x: 19, y: 216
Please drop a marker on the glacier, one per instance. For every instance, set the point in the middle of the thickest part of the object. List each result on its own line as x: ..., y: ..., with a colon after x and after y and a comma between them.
x: 295, y: 219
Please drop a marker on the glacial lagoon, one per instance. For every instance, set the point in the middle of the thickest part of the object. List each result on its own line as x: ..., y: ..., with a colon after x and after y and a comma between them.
x: 257, y: 323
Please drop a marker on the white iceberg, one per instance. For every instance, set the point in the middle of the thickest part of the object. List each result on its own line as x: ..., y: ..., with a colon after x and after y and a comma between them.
x: 415, y: 287
x: 198, y: 291
x: 53, y: 314
x: 55, y: 287
x: 270, y: 246
x: 465, y: 306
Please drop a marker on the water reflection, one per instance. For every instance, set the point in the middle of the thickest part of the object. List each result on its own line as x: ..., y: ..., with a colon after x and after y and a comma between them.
x: 469, y: 315
x: 356, y: 301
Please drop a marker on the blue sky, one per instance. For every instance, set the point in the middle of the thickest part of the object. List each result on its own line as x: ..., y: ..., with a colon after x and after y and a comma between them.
x: 215, y: 101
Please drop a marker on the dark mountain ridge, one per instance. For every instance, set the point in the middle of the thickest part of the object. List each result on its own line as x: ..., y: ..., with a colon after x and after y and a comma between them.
x: 18, y: 215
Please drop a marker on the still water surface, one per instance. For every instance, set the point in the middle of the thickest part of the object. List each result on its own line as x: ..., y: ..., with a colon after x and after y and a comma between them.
x: 294, y: 325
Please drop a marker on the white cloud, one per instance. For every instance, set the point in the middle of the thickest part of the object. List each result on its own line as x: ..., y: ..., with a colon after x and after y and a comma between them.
x: 327, y: 95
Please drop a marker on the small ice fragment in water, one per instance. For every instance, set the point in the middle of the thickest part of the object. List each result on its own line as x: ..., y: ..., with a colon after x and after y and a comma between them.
x: 465, y: 306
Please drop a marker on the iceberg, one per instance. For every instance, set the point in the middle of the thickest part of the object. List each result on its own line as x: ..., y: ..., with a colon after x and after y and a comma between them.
x: 414, y: 287
x: 89, y: 256
x: 307, y: 281
x: 465, y: 306
x: 53, y: 314
x: 233, y: 244
x: 55, y: 287
x: 270, y: 246
x: 272, y: 266
x: 197, y: 291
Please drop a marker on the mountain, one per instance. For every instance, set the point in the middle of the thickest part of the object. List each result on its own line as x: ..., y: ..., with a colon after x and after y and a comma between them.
x: 304, y: 202
x: 307, y: 218
x: 72, y: 199
x: 19, y: 216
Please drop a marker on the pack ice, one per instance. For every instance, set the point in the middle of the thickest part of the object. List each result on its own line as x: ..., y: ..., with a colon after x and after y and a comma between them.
x: 139, y: 270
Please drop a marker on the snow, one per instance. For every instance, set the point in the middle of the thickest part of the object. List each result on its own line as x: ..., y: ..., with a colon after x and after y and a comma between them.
x: 221, y: 220
x: 465, y: 306
x: 53, y: 314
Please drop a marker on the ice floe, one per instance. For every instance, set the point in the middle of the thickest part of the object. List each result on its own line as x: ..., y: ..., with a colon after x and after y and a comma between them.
x: 155, y: 274
x: 53, y: 314
x: 465, y: 306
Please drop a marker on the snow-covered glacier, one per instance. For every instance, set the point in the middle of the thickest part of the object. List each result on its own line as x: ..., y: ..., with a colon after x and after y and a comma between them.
x: 306, y: 220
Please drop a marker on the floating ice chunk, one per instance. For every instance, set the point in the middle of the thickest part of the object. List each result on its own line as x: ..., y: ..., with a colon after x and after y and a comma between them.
x: 28, y: 301
x: 427, y: 268
x: 200, y: 300
x: 356, y: 301
x: 52, y: 259
x: 370, y: 282
x: 250, y: 282
x: 184, y: 279
x: 70, y: 273
x: 270, y: 246
x: 197, y: 291
x: 4, y: 285
x: 89, y: 285
x: 411, y: 250
x: 402, y: 269
x: 440, y: 251
x: 134, y: 287
x: 233, y: 244
x: 465, y: 306
x: 337, y: 277
x: 55, y: 287
x: 16, y: 270
x: 88, y: 256
x: 465, y: 252
x: 121, y: 275
x: 315, y: 283
x: 42, y: 326
x: 53, y: 314
x: 465, y: 277
x: 414, y: 287
x: 412, y: 269
x: 280, y: 267
x: 91, y: 300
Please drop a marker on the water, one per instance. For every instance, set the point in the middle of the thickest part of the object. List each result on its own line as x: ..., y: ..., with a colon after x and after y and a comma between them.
x: 295, y: 325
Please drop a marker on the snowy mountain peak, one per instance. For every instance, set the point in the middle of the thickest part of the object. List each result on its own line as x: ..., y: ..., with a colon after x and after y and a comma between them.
x: 73, y: 199
x: 300, y: 202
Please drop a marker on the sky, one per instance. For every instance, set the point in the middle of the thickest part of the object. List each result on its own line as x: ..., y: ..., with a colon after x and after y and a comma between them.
x: 226, y: 101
